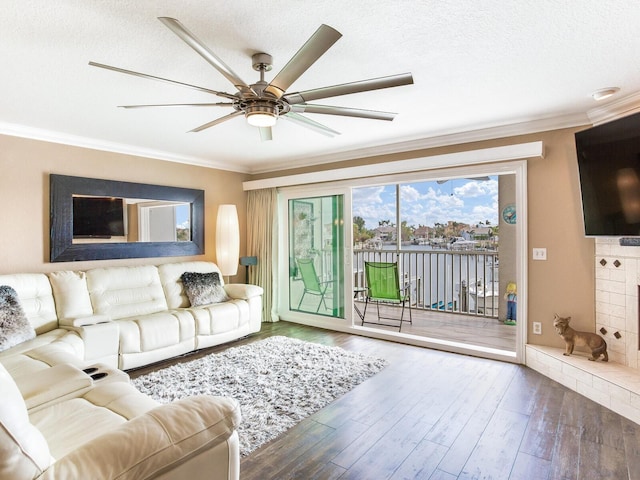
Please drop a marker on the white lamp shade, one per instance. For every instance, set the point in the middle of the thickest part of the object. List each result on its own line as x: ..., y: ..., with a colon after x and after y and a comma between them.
x: 227, y: 240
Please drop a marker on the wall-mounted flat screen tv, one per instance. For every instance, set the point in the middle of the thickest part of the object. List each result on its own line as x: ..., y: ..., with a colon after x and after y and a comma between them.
x: 609, y: 166
x: 98, y: 217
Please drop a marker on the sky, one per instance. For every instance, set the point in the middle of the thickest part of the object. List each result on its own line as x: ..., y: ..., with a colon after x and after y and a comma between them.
x: 426, y: 203
x: 183, y: 216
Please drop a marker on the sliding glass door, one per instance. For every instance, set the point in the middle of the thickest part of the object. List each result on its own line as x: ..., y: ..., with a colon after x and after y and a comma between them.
x: 453, y: 233
x: 316, y: 255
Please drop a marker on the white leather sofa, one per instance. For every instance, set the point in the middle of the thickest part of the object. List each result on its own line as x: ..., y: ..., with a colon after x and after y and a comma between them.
x: 125, y: 317
x: 58, y: 422
x: 112, y: 431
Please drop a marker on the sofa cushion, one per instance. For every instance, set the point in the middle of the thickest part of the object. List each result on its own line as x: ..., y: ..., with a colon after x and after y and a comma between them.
x: 36, y: 297
x: 14, y: 326
x: 170, y: 274
x: 121, y: 292
x: 203, y: 288
x: 24, y: 452
x: 102, y: 409
x: 40, y: 358
x: 71, y: 294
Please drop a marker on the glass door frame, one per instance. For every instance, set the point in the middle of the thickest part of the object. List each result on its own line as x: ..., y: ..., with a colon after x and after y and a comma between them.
x: 285, y: 195
x: 351, y: 324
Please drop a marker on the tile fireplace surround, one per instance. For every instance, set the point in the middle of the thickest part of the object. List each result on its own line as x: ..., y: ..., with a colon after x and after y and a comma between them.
x: 615, y: 384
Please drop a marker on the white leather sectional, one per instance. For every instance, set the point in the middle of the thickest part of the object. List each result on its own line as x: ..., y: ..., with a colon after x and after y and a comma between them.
x: 127, y: 317
x: 56, y: 421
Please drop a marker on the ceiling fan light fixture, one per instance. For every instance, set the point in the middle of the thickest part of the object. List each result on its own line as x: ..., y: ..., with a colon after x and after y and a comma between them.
x: 261, y: 115
x: 261, y: 119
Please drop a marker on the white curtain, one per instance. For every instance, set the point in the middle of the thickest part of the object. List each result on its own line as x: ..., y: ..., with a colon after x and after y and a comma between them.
x: 261, y: 242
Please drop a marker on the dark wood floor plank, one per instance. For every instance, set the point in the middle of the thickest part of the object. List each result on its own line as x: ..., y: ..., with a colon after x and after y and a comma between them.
x: 316, y: 461
x: 631, y: 434
x: 440, y: 475
x: 463, y: 409
x: 270, y: 460
x: 566, y: 453
x: 469, y: 436
x: 521, y: 394
x: 497, y: 449
x: 529, y: 467
x: 602, y: 426
x: 390, y: 451
x: 422, y: 462
x: 601, y: 461
x: 350, y: 455
x: 540, y: 437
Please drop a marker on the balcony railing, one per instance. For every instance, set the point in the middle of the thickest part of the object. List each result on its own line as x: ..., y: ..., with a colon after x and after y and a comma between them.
x: 456, y: 282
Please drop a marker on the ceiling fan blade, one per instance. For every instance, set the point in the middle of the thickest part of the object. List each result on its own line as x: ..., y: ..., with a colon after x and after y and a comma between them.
x: 345, y: 111
x: 347, y: 88
x: 190, y: 39
x: 160, y: 79
x: 266, y: 134
x: 219, y: 104
x: 312, y: 124
x: 216, y: 122
x: 308, y: 54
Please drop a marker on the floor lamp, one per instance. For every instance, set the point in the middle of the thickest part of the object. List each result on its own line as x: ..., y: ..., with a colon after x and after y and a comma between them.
x: 247, y: 262
x: 227, y: 240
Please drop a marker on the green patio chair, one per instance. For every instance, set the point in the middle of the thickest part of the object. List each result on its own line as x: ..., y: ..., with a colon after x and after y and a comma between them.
x: 383, y: 286
x: 312, y: 283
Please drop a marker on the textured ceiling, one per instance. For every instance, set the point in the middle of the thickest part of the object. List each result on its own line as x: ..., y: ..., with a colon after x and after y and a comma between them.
x: 476, y: 64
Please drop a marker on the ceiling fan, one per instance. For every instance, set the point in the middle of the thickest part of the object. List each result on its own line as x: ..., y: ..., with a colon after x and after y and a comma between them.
x: 263, y: 103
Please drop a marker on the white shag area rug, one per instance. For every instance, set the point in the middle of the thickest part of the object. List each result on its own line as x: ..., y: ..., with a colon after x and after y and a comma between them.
x: 277, y: 381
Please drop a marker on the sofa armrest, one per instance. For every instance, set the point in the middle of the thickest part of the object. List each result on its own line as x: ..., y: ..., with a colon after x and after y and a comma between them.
x: 101, y: 342
x: 153, y: 443
x: 242, y: 291
x: 84, y: 321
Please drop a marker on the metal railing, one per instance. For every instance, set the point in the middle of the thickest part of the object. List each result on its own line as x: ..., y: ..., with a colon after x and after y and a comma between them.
x: 456, y: 282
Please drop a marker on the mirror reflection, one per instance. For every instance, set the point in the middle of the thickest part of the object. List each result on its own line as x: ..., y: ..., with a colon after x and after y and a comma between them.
x: 114, y: 219
x: 96, y: 219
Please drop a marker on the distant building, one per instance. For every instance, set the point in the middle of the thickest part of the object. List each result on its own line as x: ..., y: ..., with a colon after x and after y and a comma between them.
x: 477, y: 233
x: 385, y: 233
x: 423, y: 233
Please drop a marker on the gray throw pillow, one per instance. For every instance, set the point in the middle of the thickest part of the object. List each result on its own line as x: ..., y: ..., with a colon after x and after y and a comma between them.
x: 203, y: 288
x: 14, y: 325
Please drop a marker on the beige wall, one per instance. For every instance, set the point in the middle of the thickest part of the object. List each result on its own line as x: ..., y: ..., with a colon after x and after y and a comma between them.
x: 565, y: 282
x: 25, y: 166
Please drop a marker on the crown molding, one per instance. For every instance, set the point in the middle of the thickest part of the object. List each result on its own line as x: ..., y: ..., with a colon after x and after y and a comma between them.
x: 22, y: 131
x: 469, y: 157
x: 411, y: 144
x: 613, y: 110
x: 443, y: 140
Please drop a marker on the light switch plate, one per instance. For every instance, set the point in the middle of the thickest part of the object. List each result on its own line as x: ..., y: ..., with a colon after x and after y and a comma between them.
x: 539, y: 253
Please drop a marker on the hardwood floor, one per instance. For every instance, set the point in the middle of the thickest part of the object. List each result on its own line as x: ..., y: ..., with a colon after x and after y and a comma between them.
x: 441, y: 416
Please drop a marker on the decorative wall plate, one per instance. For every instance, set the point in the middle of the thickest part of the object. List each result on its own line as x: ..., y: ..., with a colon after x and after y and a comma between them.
x: 509, y: 214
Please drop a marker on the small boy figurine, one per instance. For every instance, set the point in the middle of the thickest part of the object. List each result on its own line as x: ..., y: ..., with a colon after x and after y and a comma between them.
x: 511, y: 297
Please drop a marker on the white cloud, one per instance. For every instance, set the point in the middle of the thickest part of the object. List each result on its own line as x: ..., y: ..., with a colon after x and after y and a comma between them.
x: 428, y: 203
x: 476, y: 188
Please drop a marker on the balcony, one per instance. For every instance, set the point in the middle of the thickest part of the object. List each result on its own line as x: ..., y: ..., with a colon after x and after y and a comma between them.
x: 455, y: 295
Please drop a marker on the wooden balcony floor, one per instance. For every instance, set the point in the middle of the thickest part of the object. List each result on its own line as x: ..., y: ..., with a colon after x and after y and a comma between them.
x: 467, y: 329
